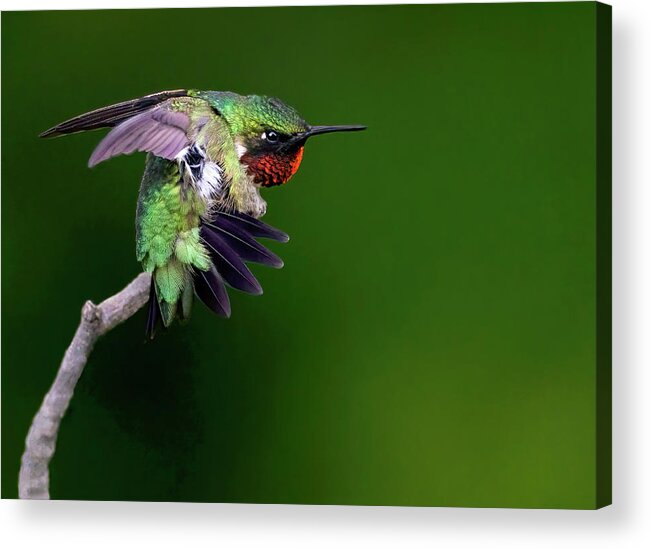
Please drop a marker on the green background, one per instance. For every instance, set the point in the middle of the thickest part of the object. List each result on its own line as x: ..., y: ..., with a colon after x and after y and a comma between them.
x: 431, y: 339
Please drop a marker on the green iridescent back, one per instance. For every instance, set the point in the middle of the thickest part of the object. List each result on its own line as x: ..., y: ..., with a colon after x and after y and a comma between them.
x: 252, y: 114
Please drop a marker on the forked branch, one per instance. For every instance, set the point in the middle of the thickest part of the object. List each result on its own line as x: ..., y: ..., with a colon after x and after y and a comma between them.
x: 96, y: 320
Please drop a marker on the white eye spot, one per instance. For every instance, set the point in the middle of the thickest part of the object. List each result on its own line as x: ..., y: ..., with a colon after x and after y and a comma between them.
x: 270, y: 136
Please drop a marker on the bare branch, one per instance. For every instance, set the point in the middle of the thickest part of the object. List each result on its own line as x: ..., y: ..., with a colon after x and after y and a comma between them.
x: 96, y: 320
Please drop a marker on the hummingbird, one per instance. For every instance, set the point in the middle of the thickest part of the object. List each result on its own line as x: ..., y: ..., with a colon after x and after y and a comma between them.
x: 209, y: 154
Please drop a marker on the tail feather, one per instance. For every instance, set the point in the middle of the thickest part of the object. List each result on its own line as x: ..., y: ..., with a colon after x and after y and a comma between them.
x: 210, y: 289
x: 255, y: 227
x: 187, y: 297
x: 230, y: 241
x: 168, y: 312
x: 228, y: 262
x: 153, y: 311
x: 243, y: 243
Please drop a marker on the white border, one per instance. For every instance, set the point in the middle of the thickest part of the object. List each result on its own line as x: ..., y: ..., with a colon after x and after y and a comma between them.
x: 626, y: 524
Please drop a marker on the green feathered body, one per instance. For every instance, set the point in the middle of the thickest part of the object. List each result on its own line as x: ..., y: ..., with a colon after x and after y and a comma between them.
x: 172, y: 204
x: 167, y: 235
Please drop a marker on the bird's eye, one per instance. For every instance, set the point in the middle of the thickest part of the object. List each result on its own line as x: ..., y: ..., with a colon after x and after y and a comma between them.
x: 270, y: 136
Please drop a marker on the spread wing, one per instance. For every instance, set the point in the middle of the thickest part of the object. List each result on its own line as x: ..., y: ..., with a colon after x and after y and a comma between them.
x: 110, y: 116
x: 162, y: 124
x: 174, y: 125
x: 160, y: 131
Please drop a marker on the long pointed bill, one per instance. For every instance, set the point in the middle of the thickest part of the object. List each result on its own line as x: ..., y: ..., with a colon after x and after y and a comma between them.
x: 299, y: 139
x: 316, y: 130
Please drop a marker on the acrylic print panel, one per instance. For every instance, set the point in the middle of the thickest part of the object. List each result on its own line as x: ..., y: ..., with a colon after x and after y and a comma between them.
x: 439, y: 333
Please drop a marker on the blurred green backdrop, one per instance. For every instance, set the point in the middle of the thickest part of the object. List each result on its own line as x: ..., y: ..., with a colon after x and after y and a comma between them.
x: 431, y: 338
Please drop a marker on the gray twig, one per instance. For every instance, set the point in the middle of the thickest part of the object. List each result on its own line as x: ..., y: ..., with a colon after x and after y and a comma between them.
x: 96, y: 320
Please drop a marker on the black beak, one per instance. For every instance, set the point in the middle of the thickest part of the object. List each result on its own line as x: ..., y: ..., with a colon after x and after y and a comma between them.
x: 301, y: 138
x: 316, y: 130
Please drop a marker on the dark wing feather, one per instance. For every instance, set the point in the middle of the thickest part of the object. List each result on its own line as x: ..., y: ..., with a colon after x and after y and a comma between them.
x: 256, y: 227
x: 228, y: 263
x: 210, y: 289
x: 107, y: 117
x: 159, y: 131
x: 243, y: 243
x: 153, y: 311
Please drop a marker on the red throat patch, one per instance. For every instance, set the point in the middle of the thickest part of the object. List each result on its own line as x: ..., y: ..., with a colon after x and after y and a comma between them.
x: 273, y: 169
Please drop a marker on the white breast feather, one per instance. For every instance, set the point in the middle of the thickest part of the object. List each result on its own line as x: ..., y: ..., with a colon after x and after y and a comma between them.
x: 210, y: 183
x: 206, y: 176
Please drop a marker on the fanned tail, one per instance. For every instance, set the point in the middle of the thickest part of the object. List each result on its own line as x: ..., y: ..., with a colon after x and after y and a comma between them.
x: 230, y: 240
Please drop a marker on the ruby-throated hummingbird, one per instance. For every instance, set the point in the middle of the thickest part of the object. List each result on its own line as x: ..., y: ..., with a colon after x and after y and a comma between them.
x: 209, y: 153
